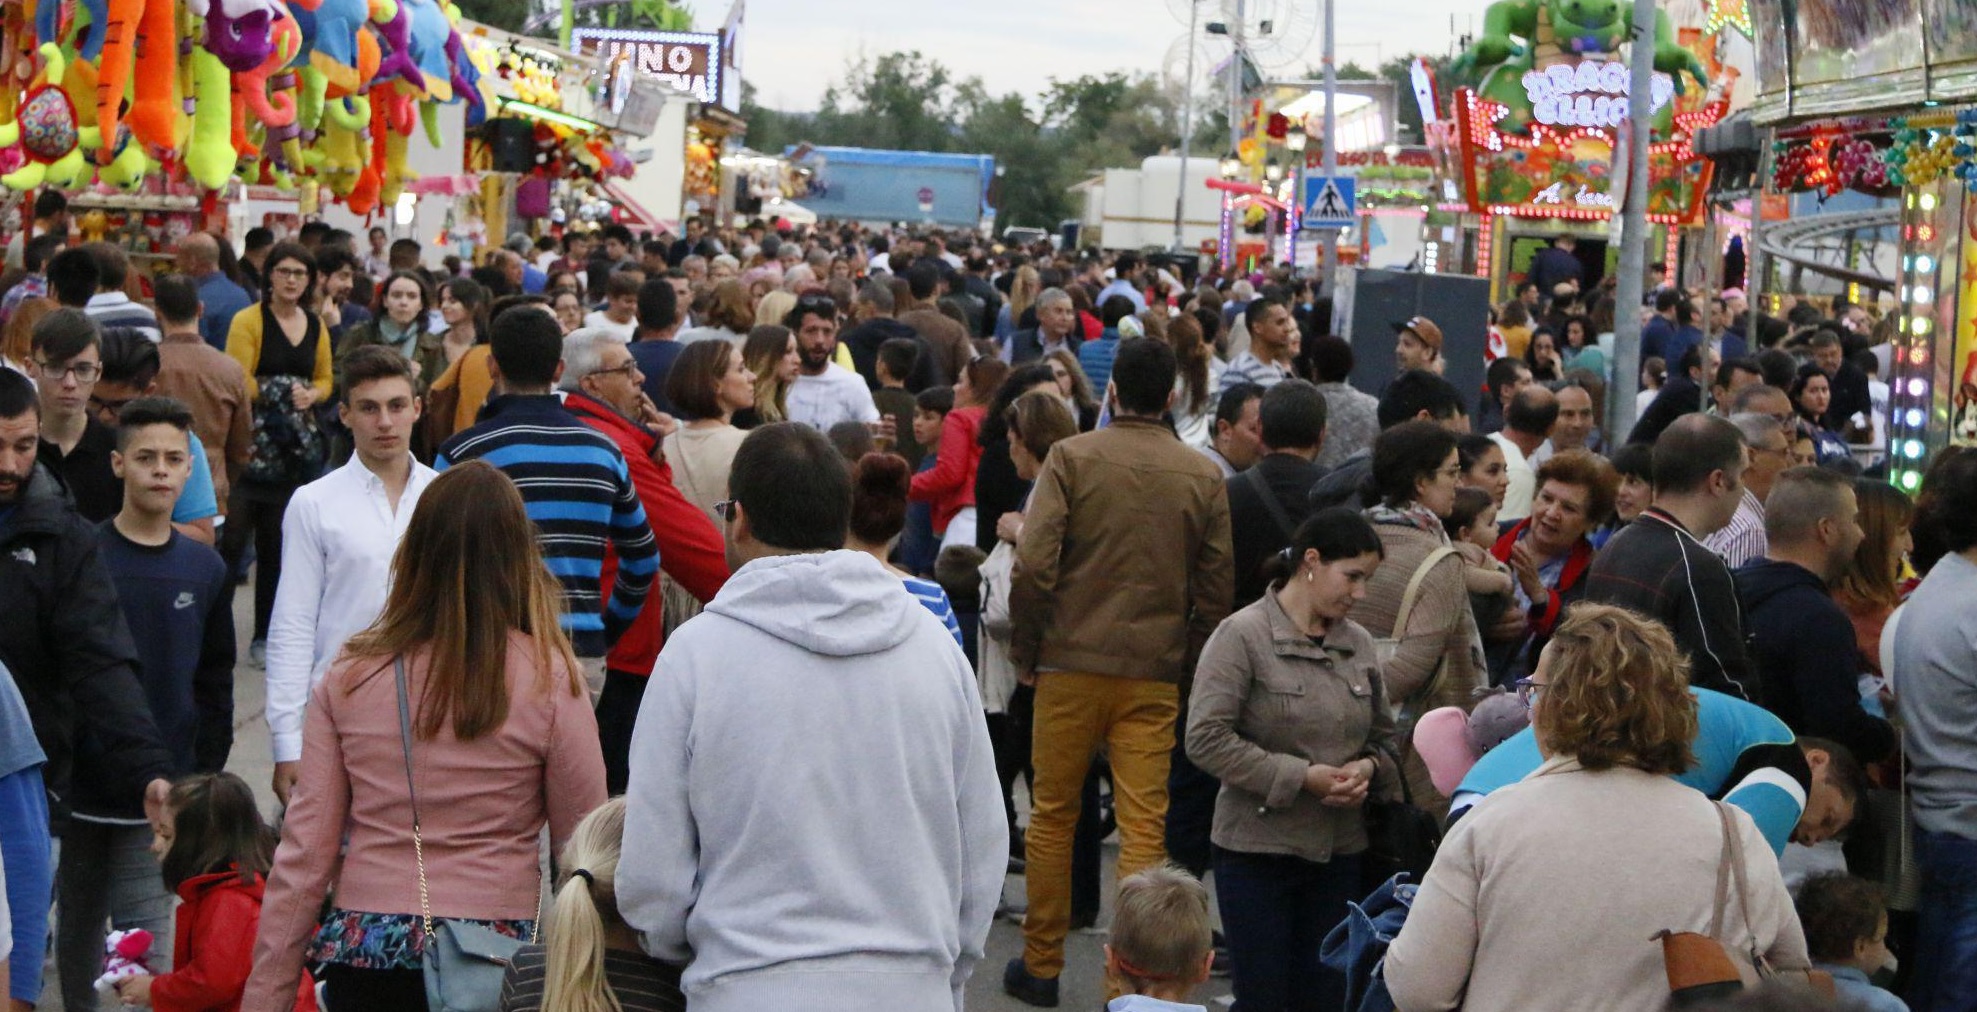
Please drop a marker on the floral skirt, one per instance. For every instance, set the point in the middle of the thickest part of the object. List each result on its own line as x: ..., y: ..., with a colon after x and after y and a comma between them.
x: 367, y: 941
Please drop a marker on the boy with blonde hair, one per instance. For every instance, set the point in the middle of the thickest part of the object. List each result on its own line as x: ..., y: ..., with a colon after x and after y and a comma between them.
x: 1162, y: 942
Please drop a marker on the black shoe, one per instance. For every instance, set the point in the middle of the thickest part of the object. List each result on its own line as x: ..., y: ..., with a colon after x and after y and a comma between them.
x: 1018, y: 984
x: 1017, y: 865
x: 1081, y: 921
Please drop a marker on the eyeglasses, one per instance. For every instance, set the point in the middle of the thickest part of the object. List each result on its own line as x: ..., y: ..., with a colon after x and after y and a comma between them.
x: 627, y: 369
x: 291, y: 273
x: 725, y: 509
x: 84, y: 372
x: 1528, y: 690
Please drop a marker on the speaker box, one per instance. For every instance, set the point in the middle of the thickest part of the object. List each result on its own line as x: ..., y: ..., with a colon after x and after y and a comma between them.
x: 1370, y: 302
x: 511, y: 144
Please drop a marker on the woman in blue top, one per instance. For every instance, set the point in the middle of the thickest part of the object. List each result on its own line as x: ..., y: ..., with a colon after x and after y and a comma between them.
x: 1812, y: 393
x: 878, y: 513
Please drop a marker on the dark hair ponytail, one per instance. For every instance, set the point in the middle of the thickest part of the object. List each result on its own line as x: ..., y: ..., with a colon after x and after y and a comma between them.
x: 1339, y: 532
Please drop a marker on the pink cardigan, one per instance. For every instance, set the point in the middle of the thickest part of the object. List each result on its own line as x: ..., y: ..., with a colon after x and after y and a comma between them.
x: 483, y: 804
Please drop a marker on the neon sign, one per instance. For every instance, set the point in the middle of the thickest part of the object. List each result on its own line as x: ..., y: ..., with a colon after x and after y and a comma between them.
x: 1592, y: 94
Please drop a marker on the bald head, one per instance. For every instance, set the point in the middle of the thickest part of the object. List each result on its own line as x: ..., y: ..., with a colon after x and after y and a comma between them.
x: 198, y: 254
x: 1533, y: 411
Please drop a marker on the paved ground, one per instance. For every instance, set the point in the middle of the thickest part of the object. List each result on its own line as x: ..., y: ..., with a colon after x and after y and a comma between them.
x: 1082, y: 986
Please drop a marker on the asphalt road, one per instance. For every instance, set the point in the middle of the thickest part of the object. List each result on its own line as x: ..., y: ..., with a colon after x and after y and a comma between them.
x: 1082, y: 986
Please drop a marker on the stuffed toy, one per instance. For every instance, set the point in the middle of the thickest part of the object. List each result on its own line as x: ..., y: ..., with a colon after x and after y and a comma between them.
x: 239, y: 32
x: 430, y: 32
x: 126, y: 163
x: 392, y: 24
x: 210, y: 155
x: 339, y: 23
x: 1450, y: 741
x: 125, y: 958
x: 154, y: 111
x: 44, y: 143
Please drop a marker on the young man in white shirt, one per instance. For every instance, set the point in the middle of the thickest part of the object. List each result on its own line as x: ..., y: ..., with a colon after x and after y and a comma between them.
x: 338, y: 537
x: 824, y: 393
x: 620, y: 312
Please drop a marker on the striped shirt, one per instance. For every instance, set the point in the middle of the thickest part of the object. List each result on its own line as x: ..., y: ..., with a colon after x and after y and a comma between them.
x: 1247, y: 368
x: 930, y: 594
x: 580, y: 496
x: 1742, y: 539
x: 640, y: 984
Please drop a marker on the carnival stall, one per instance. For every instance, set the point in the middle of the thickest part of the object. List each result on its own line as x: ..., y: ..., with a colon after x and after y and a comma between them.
x: 1529, y: 141
x: 1875, y: 101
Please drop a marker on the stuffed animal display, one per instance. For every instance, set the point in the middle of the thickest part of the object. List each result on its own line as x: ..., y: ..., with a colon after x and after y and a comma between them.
x: 264, y: 91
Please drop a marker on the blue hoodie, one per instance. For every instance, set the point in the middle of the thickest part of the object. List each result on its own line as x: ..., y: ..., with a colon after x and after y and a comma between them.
x: 813, y: 819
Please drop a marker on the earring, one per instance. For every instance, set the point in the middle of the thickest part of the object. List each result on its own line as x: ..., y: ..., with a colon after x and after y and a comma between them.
x: 1307, y: 576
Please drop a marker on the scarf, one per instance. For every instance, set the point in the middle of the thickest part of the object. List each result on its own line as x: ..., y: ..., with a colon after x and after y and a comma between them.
x: 1412, y: 515
x: 404, y: 339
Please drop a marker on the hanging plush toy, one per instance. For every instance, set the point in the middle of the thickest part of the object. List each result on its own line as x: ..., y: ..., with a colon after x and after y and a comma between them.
x: 44, y: 142
x: 210, y: 155
x: 430, y: 32
x: 393, y: 25
x: 239, y: 32
x: 138, y: 37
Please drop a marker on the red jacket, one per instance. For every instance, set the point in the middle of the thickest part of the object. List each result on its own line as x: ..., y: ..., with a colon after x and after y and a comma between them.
x: 950, y: 483
x: 213, y: 947
x: 690, y: 549
x: 1545, y: 613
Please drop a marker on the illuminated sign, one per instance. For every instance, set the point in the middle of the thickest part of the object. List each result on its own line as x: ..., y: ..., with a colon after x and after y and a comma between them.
x: 689, y: 62
x: 1592, y: 94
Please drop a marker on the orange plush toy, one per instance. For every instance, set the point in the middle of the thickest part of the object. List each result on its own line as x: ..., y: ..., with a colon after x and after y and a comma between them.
x: 156, y: 109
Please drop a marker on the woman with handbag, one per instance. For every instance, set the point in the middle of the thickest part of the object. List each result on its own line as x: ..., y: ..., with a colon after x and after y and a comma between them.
x: 1417, y: 604
x: 1289, y: 712
x: 438, y: 746
x: 285, y: 350
x: 1592, y: 857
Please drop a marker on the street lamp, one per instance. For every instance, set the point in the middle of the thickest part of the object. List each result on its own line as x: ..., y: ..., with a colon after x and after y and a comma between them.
x: 1295, y: 139
x: 1231, y: 166
x: 1275, y: 172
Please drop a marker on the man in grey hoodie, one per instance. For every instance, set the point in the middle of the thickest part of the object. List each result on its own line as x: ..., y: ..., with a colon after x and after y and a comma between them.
x: 813, y: 819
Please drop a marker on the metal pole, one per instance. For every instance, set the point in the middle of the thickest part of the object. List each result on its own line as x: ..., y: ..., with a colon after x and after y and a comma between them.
x: 1235, y: 79
x: 1328, y: 240
x: 1187, y: 124
x: 1633, y: 231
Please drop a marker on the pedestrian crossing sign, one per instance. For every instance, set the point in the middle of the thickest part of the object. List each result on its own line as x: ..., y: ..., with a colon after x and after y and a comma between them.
x: 1329, y: 202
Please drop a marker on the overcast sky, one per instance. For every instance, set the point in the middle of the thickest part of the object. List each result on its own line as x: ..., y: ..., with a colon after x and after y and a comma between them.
x: 793, y: 49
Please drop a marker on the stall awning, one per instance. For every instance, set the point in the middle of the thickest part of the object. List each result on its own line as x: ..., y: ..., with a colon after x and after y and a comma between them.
x: 638, y: 211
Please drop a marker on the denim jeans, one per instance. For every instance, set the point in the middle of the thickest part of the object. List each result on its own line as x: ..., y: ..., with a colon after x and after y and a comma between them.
x: 1946, y: 935
x: 1276, y: 911
x: 107, y: 876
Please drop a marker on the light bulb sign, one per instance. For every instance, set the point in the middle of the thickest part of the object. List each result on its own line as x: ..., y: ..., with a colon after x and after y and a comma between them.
x: 1592, y: 94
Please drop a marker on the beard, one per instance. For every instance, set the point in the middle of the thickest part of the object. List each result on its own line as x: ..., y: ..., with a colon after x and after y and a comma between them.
x: 815, y: 360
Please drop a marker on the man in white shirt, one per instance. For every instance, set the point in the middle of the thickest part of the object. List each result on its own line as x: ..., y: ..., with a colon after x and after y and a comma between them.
x: 1527, y: 423
x: 338, y: 537
x: 824, y: 393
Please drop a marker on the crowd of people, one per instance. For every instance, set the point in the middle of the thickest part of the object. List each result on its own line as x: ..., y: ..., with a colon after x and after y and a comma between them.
x: 803, y: 585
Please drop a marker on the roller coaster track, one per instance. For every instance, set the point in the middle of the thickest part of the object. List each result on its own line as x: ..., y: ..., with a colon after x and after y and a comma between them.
x: 1788, y: 241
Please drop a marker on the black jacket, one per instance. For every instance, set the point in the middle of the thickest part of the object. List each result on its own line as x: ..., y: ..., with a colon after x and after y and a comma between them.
x: 1679, y: 396
x: 1807, y: 661
x: 1850, y: 397
x: 863, y: 342
x: 1656, y: 567
x: 71, y: 654
x: 998, y: 488
x: 979, y: 287
x: 1256, y: 536
x: 1341, y: 485
x: 1026, y: 346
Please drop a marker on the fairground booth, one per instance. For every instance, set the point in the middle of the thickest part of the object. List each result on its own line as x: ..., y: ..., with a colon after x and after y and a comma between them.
x: 1527, y: 136
x: 1873, y: 124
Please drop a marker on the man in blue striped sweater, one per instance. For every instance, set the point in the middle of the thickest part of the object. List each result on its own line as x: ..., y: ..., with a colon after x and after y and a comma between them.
x: 573, y: 480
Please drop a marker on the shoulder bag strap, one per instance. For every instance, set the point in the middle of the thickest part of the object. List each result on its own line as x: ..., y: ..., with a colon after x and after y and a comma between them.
x: 1254, y: 476
x: 1723, y: 870
x: 1414, y: 588
x: 1735, y: 841
x: 405, y: 736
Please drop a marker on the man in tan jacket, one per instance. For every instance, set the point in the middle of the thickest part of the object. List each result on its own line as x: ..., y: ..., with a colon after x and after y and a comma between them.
x: 1122, y: 571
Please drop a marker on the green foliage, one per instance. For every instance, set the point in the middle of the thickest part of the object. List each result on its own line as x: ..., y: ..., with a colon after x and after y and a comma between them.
x: 905, y: 101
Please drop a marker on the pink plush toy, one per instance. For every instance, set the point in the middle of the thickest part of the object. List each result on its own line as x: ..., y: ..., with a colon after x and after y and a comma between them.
x: 125, y: 958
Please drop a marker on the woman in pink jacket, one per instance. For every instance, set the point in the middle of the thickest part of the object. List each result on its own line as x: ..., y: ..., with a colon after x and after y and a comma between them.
x: 503, y: 741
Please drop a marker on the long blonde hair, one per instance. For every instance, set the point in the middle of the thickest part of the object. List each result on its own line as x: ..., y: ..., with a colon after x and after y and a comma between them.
x: 586, y: 904
x: 466, y: 576
x: 763, y: 353
x: 773, y: 307
x: 1023, y: 292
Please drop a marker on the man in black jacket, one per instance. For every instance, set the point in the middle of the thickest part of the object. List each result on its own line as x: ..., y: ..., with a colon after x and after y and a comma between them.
x: 873, y: 311
x: 1681, y: 395
x: 64, y: 636
x: 1658, y: 566
x: 1057, y: 327
x: 1850, y: 392
x: 1801, y: 642
x: 1292, y: 414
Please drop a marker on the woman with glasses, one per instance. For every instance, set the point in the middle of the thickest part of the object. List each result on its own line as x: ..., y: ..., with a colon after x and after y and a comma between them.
x: 1437, y: 657
x: 285, y: 350
x: 1592, y: 854
x: 1289, y: 712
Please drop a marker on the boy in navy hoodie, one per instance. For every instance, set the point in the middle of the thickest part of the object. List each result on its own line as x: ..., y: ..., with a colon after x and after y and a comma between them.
x: 177, y: 601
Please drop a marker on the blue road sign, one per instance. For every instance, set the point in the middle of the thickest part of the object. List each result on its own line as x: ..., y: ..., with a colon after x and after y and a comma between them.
x: 1329, y: 202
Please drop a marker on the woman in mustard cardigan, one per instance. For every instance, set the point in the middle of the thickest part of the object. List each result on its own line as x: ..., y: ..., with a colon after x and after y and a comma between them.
x: 285, y: 349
